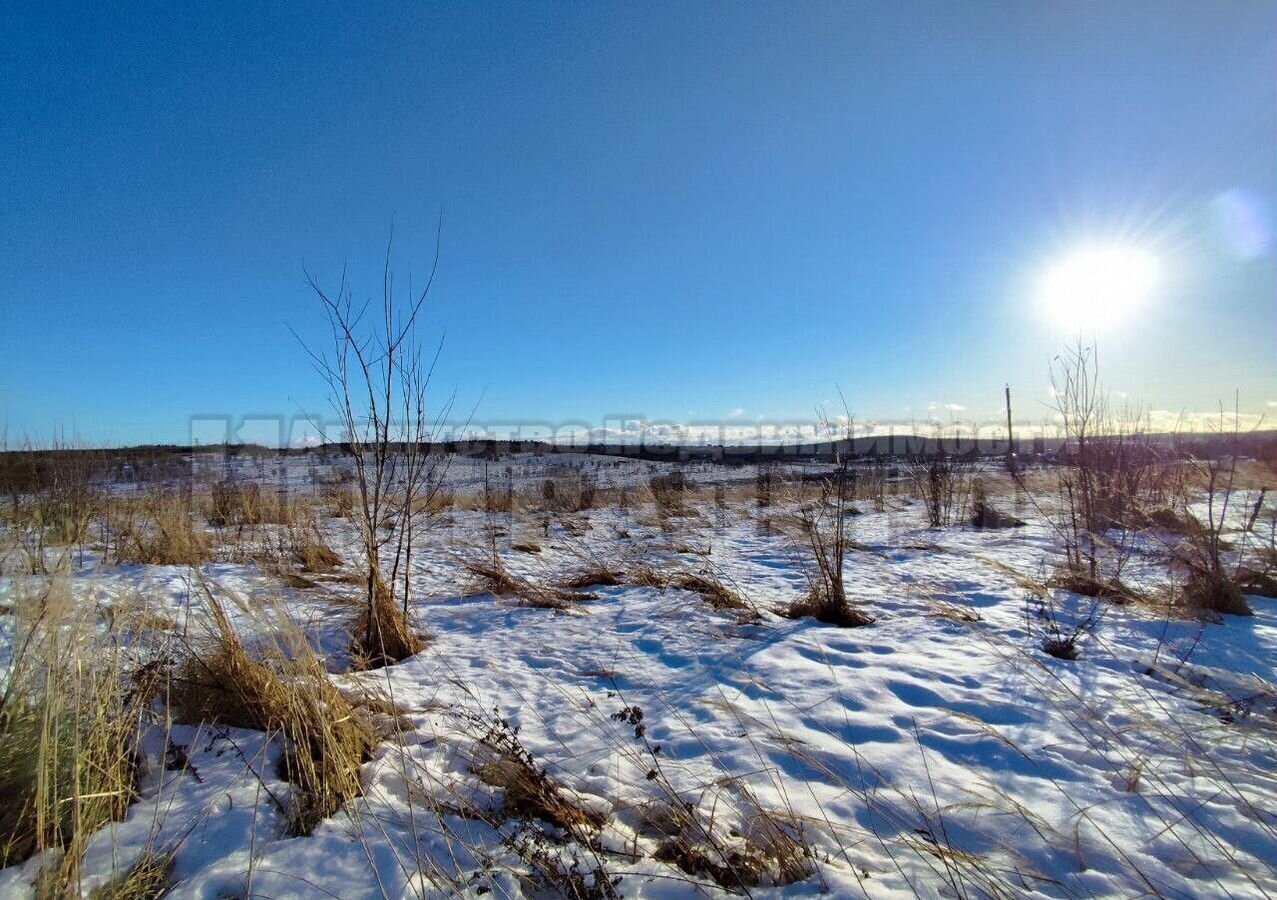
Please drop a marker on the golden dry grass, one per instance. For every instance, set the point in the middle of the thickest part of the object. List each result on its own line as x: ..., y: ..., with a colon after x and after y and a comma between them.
x: 69, y: 720
x: 288, y: 692
x: 161, y: 532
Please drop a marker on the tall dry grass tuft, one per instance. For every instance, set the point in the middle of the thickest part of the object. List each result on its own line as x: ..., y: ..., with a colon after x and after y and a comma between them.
x: 306, y: 545
x: 70, y: 716
x: 570, y: 491
x: 146, y: 879
x: 238, y: 503
x: 668, y: 492
x: 164, y: 534
x: 284, y: 690
x: 709, y: 585
x: 383, y: 632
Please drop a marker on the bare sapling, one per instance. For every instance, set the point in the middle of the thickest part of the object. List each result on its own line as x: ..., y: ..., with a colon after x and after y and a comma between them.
x: 1102, y: 472
x: 820, y: 526
x: 1214, y: 574
x: 378, y: 382
x: 941, y: 481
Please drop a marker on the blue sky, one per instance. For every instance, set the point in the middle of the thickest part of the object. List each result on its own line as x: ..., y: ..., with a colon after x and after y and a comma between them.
x: 681, y: 212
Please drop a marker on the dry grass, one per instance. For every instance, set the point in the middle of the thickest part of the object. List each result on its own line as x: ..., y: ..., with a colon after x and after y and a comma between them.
x: 669, y: 492
x: 769, y: 855
x: 288, y: 692
x: 817, y: 604
x: 1205, y: 592
x: 598, y: 576
x: 147, y: 879
x: 818, y: 530
x: 501, y: 761
x: 165, y: 535
x: 491, y: 577
x: 69, y: 721
x: 1086, y: 584
x: 384, y: 632
x: 646, y: 576
x: 308, y: 547
x: 341, y: 502
x: 711, y: 589
x: 568, y: 492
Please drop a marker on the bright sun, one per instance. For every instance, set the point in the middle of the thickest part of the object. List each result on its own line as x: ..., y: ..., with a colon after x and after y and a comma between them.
x: 1096, y: 288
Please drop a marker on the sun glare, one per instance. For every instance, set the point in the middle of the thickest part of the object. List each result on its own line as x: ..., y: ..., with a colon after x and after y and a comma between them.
x: 1096, y: 288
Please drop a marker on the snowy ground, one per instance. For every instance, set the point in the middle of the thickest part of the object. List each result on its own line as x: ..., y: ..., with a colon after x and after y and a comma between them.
x: 937, y: 752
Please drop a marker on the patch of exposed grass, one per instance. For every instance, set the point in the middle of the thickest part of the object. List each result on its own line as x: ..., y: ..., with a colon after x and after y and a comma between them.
x: 147, y: 879
x: 1087, y: 585
x: 494, y: 578
x: 711, y: 589
x: 600, y: 577
x: 815, y: 604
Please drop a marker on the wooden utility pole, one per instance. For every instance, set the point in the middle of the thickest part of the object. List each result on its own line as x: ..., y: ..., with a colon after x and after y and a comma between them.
x: 1010, y: 436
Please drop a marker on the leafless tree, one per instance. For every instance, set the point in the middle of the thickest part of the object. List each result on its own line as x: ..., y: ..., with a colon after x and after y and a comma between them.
x: 820, y: 524
x: 378, y: 381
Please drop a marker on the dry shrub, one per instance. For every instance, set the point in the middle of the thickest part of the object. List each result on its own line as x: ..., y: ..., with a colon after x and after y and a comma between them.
x: 941, y: 481
x: 1213, y: 580
x: 1209, y: 592
x: 286, y: 691
x: 819, y: 527
x: 501, y: 761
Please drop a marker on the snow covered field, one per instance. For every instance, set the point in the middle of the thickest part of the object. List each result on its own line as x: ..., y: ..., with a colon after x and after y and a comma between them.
x: 707, y: 751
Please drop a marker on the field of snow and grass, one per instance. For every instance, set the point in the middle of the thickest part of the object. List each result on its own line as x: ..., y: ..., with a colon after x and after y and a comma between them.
x: 610, y: 702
